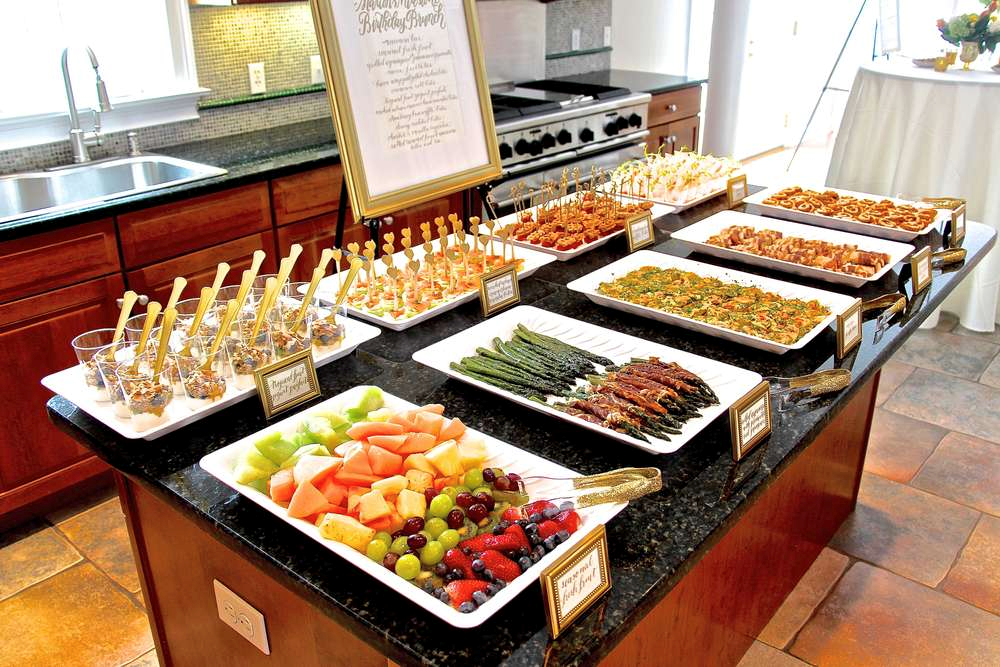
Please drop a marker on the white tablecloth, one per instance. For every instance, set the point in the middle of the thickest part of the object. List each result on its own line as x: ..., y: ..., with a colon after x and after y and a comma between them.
x: 916, y: 132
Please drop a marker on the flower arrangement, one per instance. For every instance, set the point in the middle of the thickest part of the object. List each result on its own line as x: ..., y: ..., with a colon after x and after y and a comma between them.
x: 982, y: 28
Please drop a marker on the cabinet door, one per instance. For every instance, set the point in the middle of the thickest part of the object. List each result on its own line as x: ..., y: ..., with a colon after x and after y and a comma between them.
x: 674, y: 105
x: 659, y: 140
x: 156, y: 280
x: 306, y: 195
x: 684, y: 133
x: 412, y: 217
x: 35, y: 335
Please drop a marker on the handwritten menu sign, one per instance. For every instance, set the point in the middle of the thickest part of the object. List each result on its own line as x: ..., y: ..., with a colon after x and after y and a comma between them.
x: 849, y: 329
x: 957, y: 233
x: 750, y: 419
x: 736, y: 189
x: 498, y: 289
x: 639, y: 231
x: 575, y: 581
x: 410, y: 98
x: 920, y: 270
x: 287, y: 383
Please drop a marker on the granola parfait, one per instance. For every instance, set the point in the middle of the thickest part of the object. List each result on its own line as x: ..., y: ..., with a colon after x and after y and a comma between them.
x: 291, y: 327
x: 86, y: 346
x: 204, y: 380
x: 107, y: 364
x: 328, y: 332
x: 186, y: 311
x: 247, y: 355
x: 147, y: 394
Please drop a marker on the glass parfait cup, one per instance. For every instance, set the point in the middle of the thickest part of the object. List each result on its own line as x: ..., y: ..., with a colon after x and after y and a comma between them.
x: 146, y: 397
x: 247, y: 355
x: 186, y: 310
x: 108, y: 368
x: 285, y: 340
x: 85, y: 346
x: 133, y: 326
x: 328, y: 330
x: 203, y: 373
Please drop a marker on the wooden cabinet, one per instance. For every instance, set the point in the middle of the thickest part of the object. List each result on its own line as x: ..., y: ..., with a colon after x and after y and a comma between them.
x: 673, y: 120
x: 306, y: 195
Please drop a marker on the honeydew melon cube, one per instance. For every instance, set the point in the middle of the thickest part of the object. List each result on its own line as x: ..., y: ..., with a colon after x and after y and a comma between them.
x: 276, y: 447
x: 312, y: 449
x: 371, y: 400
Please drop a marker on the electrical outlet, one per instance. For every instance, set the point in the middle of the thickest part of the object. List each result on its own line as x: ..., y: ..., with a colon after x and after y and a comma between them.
x: 258, y: 84
x: 575, y: 41
x: 241, y: 617
x: 315, y: 69
x: 607, y: 35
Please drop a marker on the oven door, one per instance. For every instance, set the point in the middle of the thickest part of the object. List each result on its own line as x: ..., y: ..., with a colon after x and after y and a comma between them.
x: 602, y: 156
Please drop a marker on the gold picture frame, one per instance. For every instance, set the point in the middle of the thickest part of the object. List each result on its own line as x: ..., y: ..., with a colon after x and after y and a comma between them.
x: 850, y: 319
x: 646, y: 218
x: 921, y: 270
x: 508, y: 272
x: 741, y: 446
x: 265, y: 390
x: 736, y: 190
x: 558, y: 618
x: 358, y: 179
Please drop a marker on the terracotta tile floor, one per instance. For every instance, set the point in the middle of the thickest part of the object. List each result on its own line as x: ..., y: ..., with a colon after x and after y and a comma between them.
x: 911, y: 578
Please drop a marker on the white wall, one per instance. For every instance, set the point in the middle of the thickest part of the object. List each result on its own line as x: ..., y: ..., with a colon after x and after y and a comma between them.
x: 650, y: 35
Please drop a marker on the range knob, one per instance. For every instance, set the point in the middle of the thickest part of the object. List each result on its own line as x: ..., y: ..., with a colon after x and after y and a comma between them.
x: 586, y: 134
x: 635, y: 120
x: 548, y: 141
x: 564, y: 137
x: 522, y: 147
x: 506, y: 152
x: 536, y: 147
x: 622, y: 123
x: 611, y: 129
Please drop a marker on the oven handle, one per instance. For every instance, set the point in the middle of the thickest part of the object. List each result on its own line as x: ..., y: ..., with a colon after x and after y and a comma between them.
x: 633, y: 138
x: 540, y: 162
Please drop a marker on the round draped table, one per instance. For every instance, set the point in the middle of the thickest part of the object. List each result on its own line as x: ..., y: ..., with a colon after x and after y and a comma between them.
x: 916, y: 132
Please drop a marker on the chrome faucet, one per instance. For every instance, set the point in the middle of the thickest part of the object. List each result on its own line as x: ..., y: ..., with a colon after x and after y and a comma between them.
x: 79, y: 139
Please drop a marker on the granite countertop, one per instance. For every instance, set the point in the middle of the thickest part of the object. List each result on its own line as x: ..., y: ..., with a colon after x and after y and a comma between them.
x: 639, y: 82
x: 247, y: 157
x: 653, y: 542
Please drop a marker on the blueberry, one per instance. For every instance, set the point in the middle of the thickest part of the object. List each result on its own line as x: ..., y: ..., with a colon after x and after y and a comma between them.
x: 457, y: 573
x: 531, y: 528
x: 535, y: 539
x: 438, y: 591
x: 452, y: 576
x: 539, y: 551
x: 500, y: 584
x: 467, y: 607
x: 550, y: 512
x: 429, y: 586
x: 488, y: 575
x: 498, y: 530
x: 444, y: 597
x: 549, y: 543
x: 536, y: 518
x: 479, y: 597
x: 478, y: 565
x: 563, y: 535
x: 566, y: 505
x: 467, y: 551
x: 523, y: 551
x: 492, y: 590
x: 440, y: 569
x: 504, y: 525
x: 522, y: 522
x: 524, y: 563
x: 535, y: 557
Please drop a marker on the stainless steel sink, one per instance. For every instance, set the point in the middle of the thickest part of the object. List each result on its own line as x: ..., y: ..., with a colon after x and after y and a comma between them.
x: 29, y: 194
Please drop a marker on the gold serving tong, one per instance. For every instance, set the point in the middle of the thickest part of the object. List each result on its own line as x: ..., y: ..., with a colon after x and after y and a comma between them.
x: 798, y: 390
x: 614, y: 486
x: 892, y: 303
x: 943, y: 202
x: 948, y: 257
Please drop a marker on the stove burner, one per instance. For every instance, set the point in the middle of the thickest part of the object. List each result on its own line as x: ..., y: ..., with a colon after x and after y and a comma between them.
x: 521, y: 105
x: 594, y: 91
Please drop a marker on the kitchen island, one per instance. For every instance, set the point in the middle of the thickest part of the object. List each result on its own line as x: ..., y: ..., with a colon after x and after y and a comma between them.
x: 697, y: 569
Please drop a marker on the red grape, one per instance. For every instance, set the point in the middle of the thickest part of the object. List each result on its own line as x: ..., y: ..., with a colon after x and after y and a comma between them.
x: 413, y: 525
x: 456, y: 518
x: 464, y: 499
x: 486, y: 499
x: 416, y: 541
x: 503, y: 483
x: 478, y: 512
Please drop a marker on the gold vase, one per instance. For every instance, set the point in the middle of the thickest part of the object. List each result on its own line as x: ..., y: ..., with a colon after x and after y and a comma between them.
x: 969, y: 53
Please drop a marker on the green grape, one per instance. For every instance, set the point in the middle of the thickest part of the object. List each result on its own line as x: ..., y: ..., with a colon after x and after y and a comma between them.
x: 435, y: 527
x: 449, y: 539
x: 449, y: 491
x: 408, y: 566
x: 432, y: 553
x: 482, y: 489
x: 462, y: 489
x: 440, y: 505
x: 399, y: 546
x: 377, y: 549
x: 473, y: 478
x: 383, y: 536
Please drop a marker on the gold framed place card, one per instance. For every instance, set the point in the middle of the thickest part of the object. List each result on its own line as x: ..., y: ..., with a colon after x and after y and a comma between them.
x: 920, y: 270
x: 750, y: 420
x: 410, y: 99
x: 640, y: 231
x: 957, y: 232
x: 498, y: 290
x: 576, y: 581
x: 287, y: 383
x: 736, y: 189
x: 849, y: 329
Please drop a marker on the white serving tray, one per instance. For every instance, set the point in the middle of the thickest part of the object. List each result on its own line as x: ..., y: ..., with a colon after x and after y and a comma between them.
x: 327, y: 291
x: 728, y: 382
x: 676, y: 206
x: 69, y: 384
x: 697, y: 235
x: 658, y: 210
x: 755, y: 204
x: 588, y: 284
x: 220, y: 464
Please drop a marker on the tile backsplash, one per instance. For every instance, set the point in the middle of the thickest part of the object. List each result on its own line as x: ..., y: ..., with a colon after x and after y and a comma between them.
x: 590, y: 16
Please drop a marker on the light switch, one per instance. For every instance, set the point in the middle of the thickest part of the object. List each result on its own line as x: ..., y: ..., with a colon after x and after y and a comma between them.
x: 258, y: 84
x: 315, y: 69
x: 241, y: 617
x: 575, y: 40
x: 607, y: 35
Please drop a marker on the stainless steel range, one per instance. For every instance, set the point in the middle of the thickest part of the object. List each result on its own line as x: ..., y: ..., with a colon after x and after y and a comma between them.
x: 546, y: 126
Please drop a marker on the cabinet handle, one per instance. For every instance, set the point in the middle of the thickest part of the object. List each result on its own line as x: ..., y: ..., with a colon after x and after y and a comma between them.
x: 672, y: 138
x: 142, y: 300
x: 671, y: 108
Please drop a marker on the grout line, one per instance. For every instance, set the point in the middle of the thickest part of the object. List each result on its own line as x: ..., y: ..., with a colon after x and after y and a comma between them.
x: 958, y: 556
x: 851, y: 560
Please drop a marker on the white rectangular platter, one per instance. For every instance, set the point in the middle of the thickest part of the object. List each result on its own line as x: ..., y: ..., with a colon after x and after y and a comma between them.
x: 697, y: 235
x: 708, y: 191
x: 327, y: 291
x: 658, y: 210
x: 220, y: 464
x: 728, y: 382
x: 588, y: 284
x: 69, y: 384
x: 755, y: 204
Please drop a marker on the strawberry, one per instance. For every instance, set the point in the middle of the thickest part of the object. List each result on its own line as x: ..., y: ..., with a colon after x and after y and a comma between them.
x: 511, y: 514
x: 537, y: 507
x: 501, y: 566
x: 518, y: 533
x: 548, y: 528
x: 461, y: 591
x: 491, y: 542
x: 569, y: 520
x: 456, y: 559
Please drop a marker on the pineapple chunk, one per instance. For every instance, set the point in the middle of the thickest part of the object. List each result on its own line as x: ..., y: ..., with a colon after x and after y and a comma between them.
x: 472, y: 453
x: 371, y: 506
x: 418, y: 462
x: 418, y: 480
x: 346, y: 529
x: 446, y: 459
x: 390, y: 486
x: 411, y: 503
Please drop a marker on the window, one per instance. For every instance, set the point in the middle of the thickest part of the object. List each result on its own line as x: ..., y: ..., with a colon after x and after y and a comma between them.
x: 145, y: 54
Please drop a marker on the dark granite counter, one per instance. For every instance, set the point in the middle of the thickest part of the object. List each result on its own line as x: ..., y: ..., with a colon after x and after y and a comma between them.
x: 639, y: 82
x: 248, y: 157
x: 653, y: 542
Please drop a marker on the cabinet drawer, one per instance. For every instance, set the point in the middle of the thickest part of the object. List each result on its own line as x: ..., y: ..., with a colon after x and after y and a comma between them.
x: 673, y: 105
x: 306, y: 195
x: 174, y: 229
x: 156, y: 280
x: 39, y: 263
x: 314, y: 235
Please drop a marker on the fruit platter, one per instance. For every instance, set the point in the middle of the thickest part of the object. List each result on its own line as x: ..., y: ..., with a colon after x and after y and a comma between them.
x: 453, y: 520
x: 763, y: 313
x: 804, y: 250
x: 650, y: 396
x: 404, y: 287
x: 856, y: 212
x: 681, y: 179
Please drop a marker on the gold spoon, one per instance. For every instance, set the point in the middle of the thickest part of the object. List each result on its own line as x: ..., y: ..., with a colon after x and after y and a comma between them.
x: 220, y: 335
x: 352, y: 272
x: 175, y: 293
x: 207, y: 297
x: 152, y: 312
x: 166, y: 327
x: 285, y: 268
x: 241, y: 295
x: 270, y: 288
x: 221, y: 271
x: 308, y: 297
x: 128, y: 301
